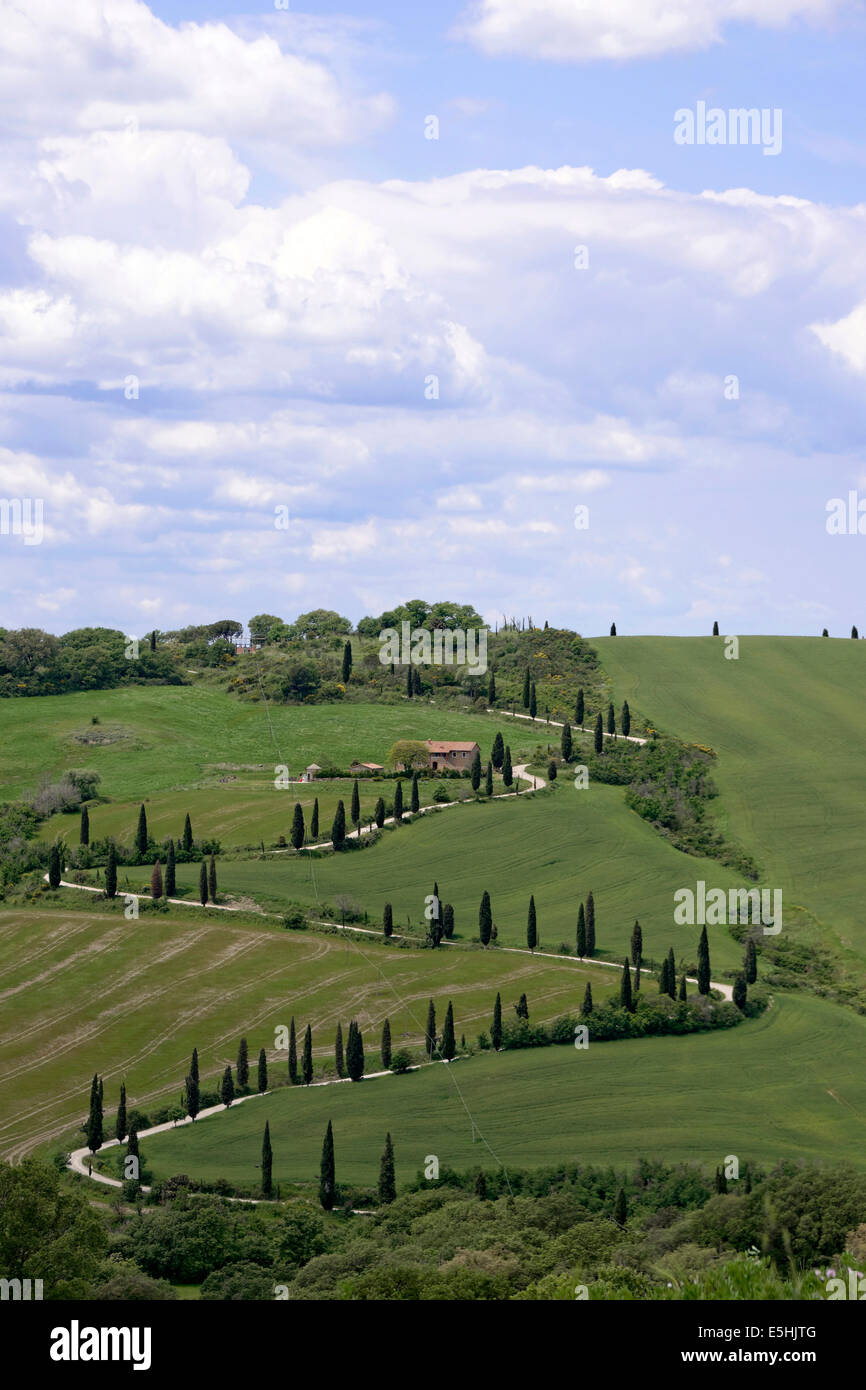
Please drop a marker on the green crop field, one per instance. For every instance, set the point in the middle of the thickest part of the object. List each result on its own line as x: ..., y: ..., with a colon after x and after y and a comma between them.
x: 786, y: 719
x: 790, y: 1084
x: 89, y: 991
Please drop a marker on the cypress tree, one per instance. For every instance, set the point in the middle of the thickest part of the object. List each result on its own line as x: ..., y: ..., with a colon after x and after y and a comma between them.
x: 531, y: 930
x: 414, y: 800
x: 339, y: 1053
x: 386, y: 1045
x: 355, y: 1052
x: 307, y: 1059
x: 611, y: 720
x: 327, y: 1176
x: 488, y: 780
x: 507, y: 775
x: 141, y: 832
x: 579, y: 708
x: 410, y: 684
x: 527, y: 689
x: 111, y: 872
x: 84, y: 832
x: 387, y: 920
x: 293, y: 1054
x: 242, y: 1066
x: 854, y: 633
x: 625, y: 999
x: 475, y: 771
x: 227, y: 1090
x: 314, y: 821
x: 262, y: 1076
x: 356, y: 805
x: 156, y: 889
x: 193, y: 1066
x: 132, y: 1149
x: 153, y: 640
x: 636, y: 983
x: 522, y: 1008
x: 551, y: 770
x: 566, y: 743
x: 683, y: 995
x: 212, y: 879
x: 620, y: 1206
x: 721, y: 1182
x: 586, y: 1006
x: 379, y: 813
x: 338, y: 830
x: 703, y: 963
x: 750, y: 964
x: 740, y: 992
x: 533, y: 702
x: 498, y: 752
x: 170, y: 872
x: 825, y: 633
x: 347, y: 663
x: 187, y: 835
x: 267, y: 1162
x: 496, y: 1025
x: 613, y: 629
x: 430, y: 1030
x: 398, y: 802
x: 672, y: 974
x: 590, y: 925
x: 625, y: 719
x: 599, y: 734
x: 481, y: 1186
x: 416, y: 680
x: 297, y: 834
x: 491, y: 689
x: 387, y: 1183
x: 715, y: 629
x: 581, y: 932
x: 54, y: 874
x: 449, y: 1044
x: 636, y: 944
x: 448, y: 921
x: 485, y: 918
x: 120, y: 1121
x: 665, y: 977
x: 193, y: 1103
x: 202, y: 883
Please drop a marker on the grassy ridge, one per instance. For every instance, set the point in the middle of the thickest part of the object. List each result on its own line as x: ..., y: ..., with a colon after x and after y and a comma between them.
x: 759, y: 1091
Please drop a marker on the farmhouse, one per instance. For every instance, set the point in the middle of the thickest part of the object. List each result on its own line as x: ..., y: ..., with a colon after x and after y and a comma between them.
x: 442, y: 755
x: 309, y: 773
x: 359, y: 769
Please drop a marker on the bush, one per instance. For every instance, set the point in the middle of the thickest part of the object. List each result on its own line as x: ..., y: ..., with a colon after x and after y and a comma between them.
x: 401, y: 1061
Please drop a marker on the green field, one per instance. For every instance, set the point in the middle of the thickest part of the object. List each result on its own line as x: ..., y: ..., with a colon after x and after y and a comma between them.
x: 786, y: 719
x: 87, y: 991
x: 790, y: 1084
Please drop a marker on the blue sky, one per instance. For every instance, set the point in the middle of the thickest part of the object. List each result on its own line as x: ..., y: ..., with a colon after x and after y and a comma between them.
x: 235, y: 276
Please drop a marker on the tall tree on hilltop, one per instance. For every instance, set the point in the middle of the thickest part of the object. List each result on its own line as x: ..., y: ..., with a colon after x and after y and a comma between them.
x: 430, y: 1030
x: 346, y: 671
x: 485, y: 919
x: 120, y: 1120
x: 625, y: 719
x: 267, y: 1162
x: 54, y: 870
x: 170, y: 872
x: 854, y: 633
x: 338, y: 830
x: 496, y: 1025
x: 385, y: 1047
x: 531, y: 928
x: 307, y: 1058
x: 141, y: 832
x: 262, y: 1072
x: 579, y: 710
x: 227, y: 1090
x: 212, y: 879
x: 475, y: 771
x: 242, y: 1065
x: 339, y: 1053
x: 566, y: 743
x: 314, y: 821
x: 293, y: 1054
x: 111, y: 872
x: 715, y: 629
x: 613, y: 629
x: 625, y: 999
x: 327, y: 1175
x: 297, y: 833
x: 156, y: 882
x: 84, y: 832
x: 449, y: 1043
x: 202, y: 883
x: 703, y: 963
x: 581, y: 931
x: 387, y: 1181
x: 590, y: 925
x: 187, y: 835
x: 498, y: 752
x: 599, y: 734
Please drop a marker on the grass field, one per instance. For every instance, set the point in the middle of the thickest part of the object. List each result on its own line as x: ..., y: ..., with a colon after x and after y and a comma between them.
x: 168, y: 737
x: 84, y: 991
x: 557, y: 845
x: 787, y: 721
x: 790, y: 1084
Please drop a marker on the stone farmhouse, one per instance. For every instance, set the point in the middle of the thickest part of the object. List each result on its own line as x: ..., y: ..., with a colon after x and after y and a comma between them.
x: 443, y: 756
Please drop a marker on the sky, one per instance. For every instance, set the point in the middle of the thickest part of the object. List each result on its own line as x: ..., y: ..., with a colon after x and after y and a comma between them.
x: 492, y: 302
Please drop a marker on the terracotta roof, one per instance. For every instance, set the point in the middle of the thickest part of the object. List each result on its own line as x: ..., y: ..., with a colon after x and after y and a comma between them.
x: 437, y: 746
